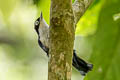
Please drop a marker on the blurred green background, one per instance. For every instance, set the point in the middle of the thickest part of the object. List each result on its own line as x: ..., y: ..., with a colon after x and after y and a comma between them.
x: 97, y: 40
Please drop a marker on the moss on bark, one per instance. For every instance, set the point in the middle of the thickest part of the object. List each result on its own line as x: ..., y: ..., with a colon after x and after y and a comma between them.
x: 62, y: 33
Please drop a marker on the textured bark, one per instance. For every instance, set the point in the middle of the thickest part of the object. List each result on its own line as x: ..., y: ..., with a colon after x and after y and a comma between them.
x: 62, y: 33
x: 61, y: 40
x: 79, y: 8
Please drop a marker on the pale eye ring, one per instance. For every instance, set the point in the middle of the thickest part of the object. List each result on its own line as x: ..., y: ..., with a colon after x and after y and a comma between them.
x: 36, y: 23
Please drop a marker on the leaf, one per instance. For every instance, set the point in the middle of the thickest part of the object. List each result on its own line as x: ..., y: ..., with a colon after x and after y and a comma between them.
x: 106, y: 49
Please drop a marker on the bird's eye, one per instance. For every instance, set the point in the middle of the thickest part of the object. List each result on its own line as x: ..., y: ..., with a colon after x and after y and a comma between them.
x: 36, y: 23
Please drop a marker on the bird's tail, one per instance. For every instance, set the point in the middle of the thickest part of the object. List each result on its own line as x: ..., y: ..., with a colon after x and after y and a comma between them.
x: 82, y: 66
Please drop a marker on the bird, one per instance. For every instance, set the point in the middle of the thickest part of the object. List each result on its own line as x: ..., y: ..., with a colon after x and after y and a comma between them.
x: 42, y: 29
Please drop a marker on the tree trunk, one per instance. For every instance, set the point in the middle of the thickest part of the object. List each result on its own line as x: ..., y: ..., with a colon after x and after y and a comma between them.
x: 62, y: 33
x: 61, y: 40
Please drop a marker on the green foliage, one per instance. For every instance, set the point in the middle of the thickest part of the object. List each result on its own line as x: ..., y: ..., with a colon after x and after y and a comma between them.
x: 106, y: 49
x: 88, y: 23
x: 44, y: 7
x: 6, y: 6
x: 99, y: 41
x: 36, y: 2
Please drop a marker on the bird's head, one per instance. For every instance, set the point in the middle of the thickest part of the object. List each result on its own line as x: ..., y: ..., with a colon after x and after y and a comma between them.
x: 38, y: 23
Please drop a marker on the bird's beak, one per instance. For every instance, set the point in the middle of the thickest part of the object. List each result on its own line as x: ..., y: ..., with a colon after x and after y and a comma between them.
x: 41, y: 16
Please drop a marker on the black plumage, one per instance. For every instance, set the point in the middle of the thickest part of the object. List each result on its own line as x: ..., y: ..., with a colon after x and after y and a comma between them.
x: 82, y: 66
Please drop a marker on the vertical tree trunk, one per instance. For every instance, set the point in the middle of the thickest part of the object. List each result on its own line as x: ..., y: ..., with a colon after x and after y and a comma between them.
x: 62, y: 33
x: 61, y: 40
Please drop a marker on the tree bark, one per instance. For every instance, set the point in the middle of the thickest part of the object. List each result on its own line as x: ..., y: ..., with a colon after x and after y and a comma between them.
x: 62, y: 34
x: 79, y: 8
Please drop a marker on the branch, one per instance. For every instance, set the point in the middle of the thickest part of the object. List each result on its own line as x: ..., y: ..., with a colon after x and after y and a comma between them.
x: 79, y: 8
